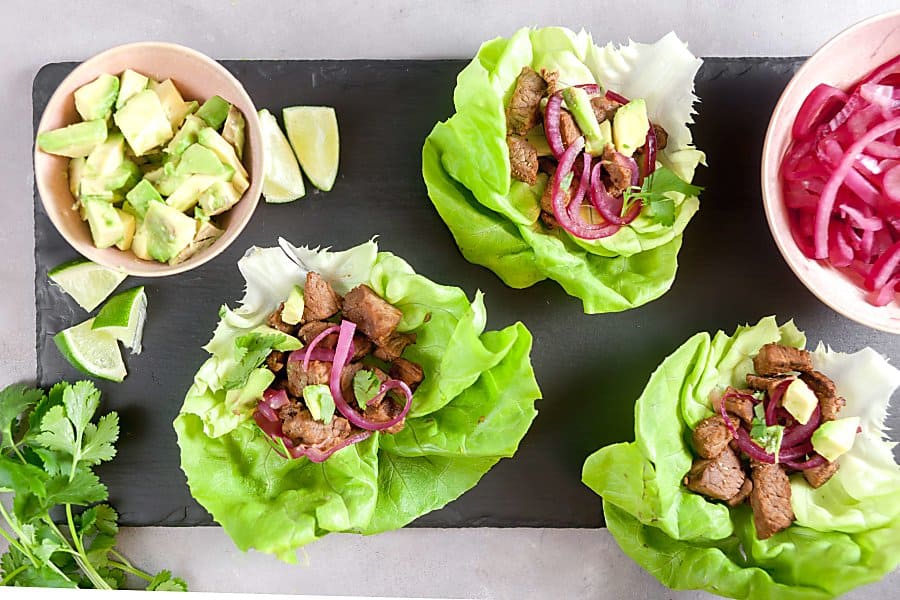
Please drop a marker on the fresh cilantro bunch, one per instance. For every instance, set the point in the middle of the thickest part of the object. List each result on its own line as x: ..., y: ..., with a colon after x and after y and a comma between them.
x: 48, y: 448
x: 654, y: 194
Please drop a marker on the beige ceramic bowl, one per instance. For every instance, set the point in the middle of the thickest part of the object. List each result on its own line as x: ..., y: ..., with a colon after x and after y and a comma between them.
x: 197, y: 77
x: 841, y: 62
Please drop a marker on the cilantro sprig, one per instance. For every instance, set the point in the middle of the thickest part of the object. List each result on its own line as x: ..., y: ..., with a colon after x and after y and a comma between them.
x: 767, y: 436
x: 654, y: 194
x: 49, y: 445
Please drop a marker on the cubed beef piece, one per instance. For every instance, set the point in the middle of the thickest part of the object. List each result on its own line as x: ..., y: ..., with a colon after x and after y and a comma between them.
x: 568, y: 128
x: 719, y: 478
x: 523, y: 111
x: 767, y: 384
x: 362, y: 346
x: 274, y: 321
x: 385, y: 410
x: 547, y: 198
x: 275, y: 361
x: 320, y: 299
x: 408, y: 372
x: 775, y: 359
x: 552, y: 80
x: 818, y: 476
x: 298, y: 378
x: 742, y: 494
x: 711, y: 436
x: 770, y: 499
x: 604, y: 108
x: 549, y: 220
x: 823, y: 387
x: 662, y: 136
x: 309, y: 331
x: 618, y: 170
x: 372, y: 315
x: 391, y: 347
x: 299, y: 425
x: 523, y: 159
x: 739, y: 406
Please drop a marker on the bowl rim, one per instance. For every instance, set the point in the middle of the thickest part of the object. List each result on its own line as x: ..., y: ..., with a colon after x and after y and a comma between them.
x: 251, y: 195
x: 768, y: 183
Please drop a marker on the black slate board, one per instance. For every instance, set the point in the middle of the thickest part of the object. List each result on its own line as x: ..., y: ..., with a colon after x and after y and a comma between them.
x: 591, y: 368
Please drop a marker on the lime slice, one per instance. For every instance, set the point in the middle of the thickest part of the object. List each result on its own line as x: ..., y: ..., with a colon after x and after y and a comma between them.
x: 283, y: 181
x: 123, y: 318
x: 91, y: 351
x: 87, y: 282
x: 313, y: 132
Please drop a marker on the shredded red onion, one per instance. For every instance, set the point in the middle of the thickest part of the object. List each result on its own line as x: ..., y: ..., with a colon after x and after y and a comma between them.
x: 305, y: 355
x: 551, y: 125
x: 746, y: 444
x: 266, y: 411
x: 616, y: 97
x: 814, y: 110
x: 817, y: 460
x: 276, y: 398
x: 802, y: 432
x: 609, y: 207
x: 775, y: 400
x: 315, y: 342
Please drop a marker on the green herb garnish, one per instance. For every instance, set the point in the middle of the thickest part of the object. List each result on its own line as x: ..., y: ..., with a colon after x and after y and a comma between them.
x: 365, y: 387
x: 250, y: 351
x: 767, y: 436
x: 653, y: 194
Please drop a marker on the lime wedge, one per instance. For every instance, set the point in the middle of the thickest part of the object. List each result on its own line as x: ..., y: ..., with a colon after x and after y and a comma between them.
x: 91, y: 351
x: 313, y: 133
x: 123, y: 318
x: 283, y: 181
x: 87, y: 282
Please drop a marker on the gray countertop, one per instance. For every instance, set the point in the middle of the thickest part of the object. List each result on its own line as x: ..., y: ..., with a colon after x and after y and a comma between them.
x: 482, y: 563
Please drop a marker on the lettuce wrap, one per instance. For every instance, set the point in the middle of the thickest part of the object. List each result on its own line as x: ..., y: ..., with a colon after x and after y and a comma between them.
x: 846, y: 533
x: 495, y: 220
x: 473, y: 408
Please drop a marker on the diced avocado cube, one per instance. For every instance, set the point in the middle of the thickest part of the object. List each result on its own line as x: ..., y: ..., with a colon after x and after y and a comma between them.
x: 76, y: 172
x: 799, y: 400
x: 124, y: 178
x: 215, y: 142
x: 168, y: 231
x: 834, y: 438
x: 198, y: 159
x: 207, y: 233
x: 185, y: 136
x: 240, y: 183
x: 188, y: 193
x: 218, y: 198
x: 579, y: 103
x: 233, y: 130
x: 130, y: 83
x: 139, y: 242
x: 173, y: 104
x: 95, y: 100
x: 106, y: 226
x: 141, y: 196
x: 214, y: 111
x: 191, y: 107
x: 630, y: 126
x: 75, y: 141
x: 143, y: 122
x: 106, y: 157
x: 293, y: 306
x: 155, y: 175
x: 129, y: 224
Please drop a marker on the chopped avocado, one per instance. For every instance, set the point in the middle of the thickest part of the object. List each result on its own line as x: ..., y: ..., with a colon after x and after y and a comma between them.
x: 130, y: 224
x: 214, y: 111
x: 139, y: 243
x: 185, y: 136
x: 198, y: 159
x: 130, y: 83
x: 173, y: 104
x: 143, y: 122
x: 168, y: 231
x: 106, y: 157
x: 579, y: 103
x: 799, y: 400
x: 630, y: 126
x: 218, y: 197
x: 76, y: 172
x: 207, y: 233
x: 293, y: 306
x: 95, y: 100
x: 75, y: 141
x: 188, y: 193
x: 319, y: 401
x: 245, y: 398
x: 233, y: 130
x: 834, y: 438
x: 191, y: 107
x: 106, y: 226
x: 141, y: 195
x: 215, y: 142
x: 240, y: 183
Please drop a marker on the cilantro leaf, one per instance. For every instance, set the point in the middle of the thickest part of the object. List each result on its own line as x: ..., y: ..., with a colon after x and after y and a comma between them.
x: 654, y: 194
x: 81, y: 489
x: 53, y: 398
x: 365, y: 387
x: 164, y: 582
x: 320, y: 402
x: 14, y: 400
x: 99, y: 439
x: 57, y: 432
x: 21, y: 478
x: 767, y: 436
x: 663, y: 211
x: 250, y: 351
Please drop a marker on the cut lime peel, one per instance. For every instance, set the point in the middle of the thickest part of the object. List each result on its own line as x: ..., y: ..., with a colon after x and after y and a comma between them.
x: 86, y: 282
x: 314, y: 138
x: 123, y: 317
x: 283, y: 181
x: 95, y: 353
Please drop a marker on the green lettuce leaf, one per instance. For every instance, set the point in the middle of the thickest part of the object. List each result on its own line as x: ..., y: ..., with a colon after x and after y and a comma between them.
x: 472, y: 409
x: 495, y: 220
x: 847, y: 532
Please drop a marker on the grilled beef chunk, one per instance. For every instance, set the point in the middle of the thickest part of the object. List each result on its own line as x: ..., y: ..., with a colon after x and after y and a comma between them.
x: 619, y: 171
x: 385, y: 410
x: 604, y: 108
x: 823, y: 387
x: 309, y: 331
x: 275, y: 361
x: 408, y: 372
x: 321, y: 301
x: 719, y: 478
x: 298, y: 424
x: 362, y: 347
x: 662, y: 136
x: 711, y: 436
x: 765, y: 383
x: 742, y: 494
x: 372, y: 315
x: 738, y: 406
x: 274, y: 321
x: 391, y: 347
x: 549, y: 220
x: 298, y: 378
x: 770, y: 499
x: 818, y: 476
x: 775, y: 359
x: 523, y: 159
x: 568, y: 129
x: 524, y: 108
x: 552, y: 79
